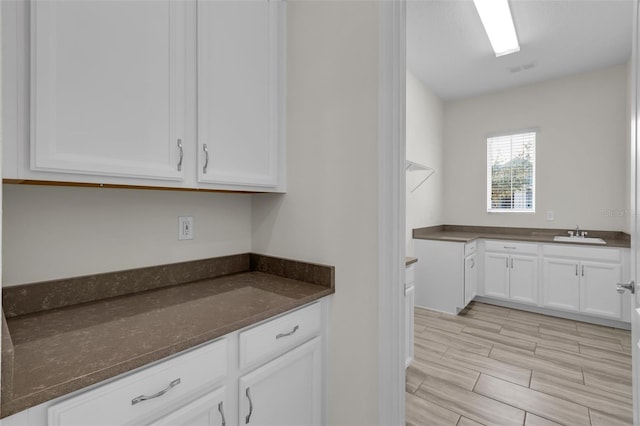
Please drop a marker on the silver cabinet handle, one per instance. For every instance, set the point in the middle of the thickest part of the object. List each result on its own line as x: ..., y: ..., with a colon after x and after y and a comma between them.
x: 278, y: 336
x: 141, y: 398
x: 473, y: 263
x: 206, y: 158
x: 507, y: 262
x: 512, y: 263
x: 181, y: 155
x: 582, y: 270
x: 221, y: 411
x: 509, y: 247
x: 576, y: 270
x: 246, y: 420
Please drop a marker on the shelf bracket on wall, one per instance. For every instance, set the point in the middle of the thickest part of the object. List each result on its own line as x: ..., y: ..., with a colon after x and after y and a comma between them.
x: 410, y: 166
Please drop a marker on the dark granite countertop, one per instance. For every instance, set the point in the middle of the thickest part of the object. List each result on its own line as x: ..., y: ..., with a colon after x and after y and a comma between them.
x: 48, y: 353
x: 458, y: 233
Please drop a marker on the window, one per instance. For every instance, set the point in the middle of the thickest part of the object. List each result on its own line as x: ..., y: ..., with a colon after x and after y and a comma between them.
x: 511, y: 172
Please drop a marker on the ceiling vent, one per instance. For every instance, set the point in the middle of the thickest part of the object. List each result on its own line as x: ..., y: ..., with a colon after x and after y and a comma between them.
x: 523, y: 67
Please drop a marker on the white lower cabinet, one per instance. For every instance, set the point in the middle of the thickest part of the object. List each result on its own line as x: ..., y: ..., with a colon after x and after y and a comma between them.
x: 409, y: 302
x: 561, y: 284
x: 470, y: 278
x: 496, y: 275
x: 560, y: 277
x: 598, y: 295
x: 583, y: 286
x: 446, y: 275
x: 511, y: 276
x: 523, y: 279
x: 285, y: 391
x: 278, y: 383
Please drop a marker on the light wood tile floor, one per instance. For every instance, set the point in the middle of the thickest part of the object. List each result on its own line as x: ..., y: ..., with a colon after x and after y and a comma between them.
x: 498, y: 366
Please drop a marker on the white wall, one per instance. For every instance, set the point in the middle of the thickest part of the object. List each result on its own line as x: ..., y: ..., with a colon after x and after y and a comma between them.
x: 424, y: 146
x: 329, y: 214
x: 56, y: 232
x: 582, y: 151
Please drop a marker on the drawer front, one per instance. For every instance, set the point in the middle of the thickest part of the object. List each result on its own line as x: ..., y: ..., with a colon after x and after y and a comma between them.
x: 276, y: 336
x: 511, y: 247
x: 469, y: 248
x: 124, y: 400
x: 590, y: 253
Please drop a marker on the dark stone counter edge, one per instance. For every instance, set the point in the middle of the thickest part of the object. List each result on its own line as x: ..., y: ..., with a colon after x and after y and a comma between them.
x: 460, y: 233
x: 37, y: 297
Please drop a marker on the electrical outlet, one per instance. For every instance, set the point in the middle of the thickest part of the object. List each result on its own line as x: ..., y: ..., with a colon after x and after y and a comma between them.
x: 550, y: 215
x: 185, y: 227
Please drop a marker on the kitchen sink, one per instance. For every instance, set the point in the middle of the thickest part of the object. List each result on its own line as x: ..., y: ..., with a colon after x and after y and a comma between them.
x: 579, y: 240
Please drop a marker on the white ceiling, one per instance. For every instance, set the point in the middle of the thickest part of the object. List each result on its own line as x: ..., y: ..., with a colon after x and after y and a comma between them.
x: 449, y: 51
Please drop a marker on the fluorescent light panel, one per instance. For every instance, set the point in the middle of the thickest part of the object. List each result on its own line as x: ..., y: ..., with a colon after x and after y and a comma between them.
x: 498, y: 23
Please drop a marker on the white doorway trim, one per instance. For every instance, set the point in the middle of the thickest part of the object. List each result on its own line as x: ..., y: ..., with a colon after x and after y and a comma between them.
x: 634, y: 204
x: 391, y: 211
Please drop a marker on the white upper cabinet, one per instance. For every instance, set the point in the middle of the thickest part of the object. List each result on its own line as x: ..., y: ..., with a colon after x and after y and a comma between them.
x: 108, y: 87
x: 165, y: 93
x: 238, y: 92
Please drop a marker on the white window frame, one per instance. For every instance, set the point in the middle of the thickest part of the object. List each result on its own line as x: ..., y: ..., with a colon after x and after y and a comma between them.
x: 536, y: 131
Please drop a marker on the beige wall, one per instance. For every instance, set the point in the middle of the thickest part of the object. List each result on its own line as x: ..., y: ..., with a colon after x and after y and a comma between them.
x: 56, y: 232
x: 424, y: 146
x: 582, y: 151
x: 329, y: 213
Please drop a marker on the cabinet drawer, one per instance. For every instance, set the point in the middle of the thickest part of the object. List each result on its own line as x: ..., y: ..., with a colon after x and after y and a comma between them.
x: 511, y: 247
x: 120, y: 401
x: 279, y: 335
x: 469, y: 248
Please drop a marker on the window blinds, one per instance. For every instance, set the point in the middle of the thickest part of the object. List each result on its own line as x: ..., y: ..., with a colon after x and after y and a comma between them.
x: 511, y: 169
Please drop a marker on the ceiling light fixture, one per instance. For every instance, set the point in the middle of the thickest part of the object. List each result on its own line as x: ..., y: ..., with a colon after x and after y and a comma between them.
x: 498, y: 23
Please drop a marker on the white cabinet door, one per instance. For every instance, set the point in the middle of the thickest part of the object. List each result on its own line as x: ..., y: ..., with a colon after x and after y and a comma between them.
x: 598, y: 293
x: 470, y: 279
x: 286, y: 391
x: 108, y: 87
x: 409, y: 300
x: 238, y: 92
x: 523, y: 280
x: 496, y: 275
x: 208, y: 410
x: 561, y: 284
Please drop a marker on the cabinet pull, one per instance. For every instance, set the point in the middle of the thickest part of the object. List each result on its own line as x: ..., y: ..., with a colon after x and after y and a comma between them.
x: 278, y: 336
x: 181, y: 155
x: 473, y: 263
x: 507, y: 262
x: 512, y: 263
x: 576, y: 270
x: 206, y: 159
x: 141, y: 398
x: 221, y: 411
x: 246, y: 420
x: 509, y: 247
x: 582, y: 272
